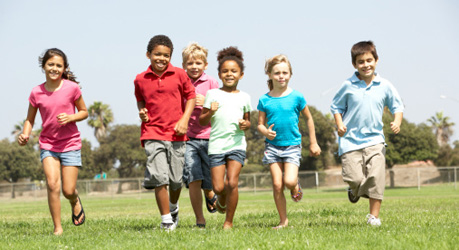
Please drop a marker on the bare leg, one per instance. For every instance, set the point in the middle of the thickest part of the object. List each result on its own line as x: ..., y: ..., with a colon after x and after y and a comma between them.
x: 232, y: 176
x: 162, y: 199
x: 196, y: 201
x: 291, y: 177
x: 69, y: 181
x: 218, y: 183
x: 278, y: 192
x: 375, y: 206
x: 52, y: 169
x: 174, y: 195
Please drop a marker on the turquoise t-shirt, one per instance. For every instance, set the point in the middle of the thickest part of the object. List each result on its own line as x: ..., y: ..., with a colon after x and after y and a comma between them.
x: 225, y: 134
x: 284, y: 113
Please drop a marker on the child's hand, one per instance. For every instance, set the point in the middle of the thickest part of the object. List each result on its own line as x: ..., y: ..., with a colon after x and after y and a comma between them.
x: 63, y: 118
x: 213, y: 107
x: 181, y: 127
x: 314, y: 149
x: 200, y: 99
x: 143, y: 114
x: 23, y: 139
x: 342, y: 130
x: 243, y: 124
x: 395, y: 127
x: 271, y: 133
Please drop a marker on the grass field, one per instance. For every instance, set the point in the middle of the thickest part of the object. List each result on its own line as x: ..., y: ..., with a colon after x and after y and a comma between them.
x: 412, y: 219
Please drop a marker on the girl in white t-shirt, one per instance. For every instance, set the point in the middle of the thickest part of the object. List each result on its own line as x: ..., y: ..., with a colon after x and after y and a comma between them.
x: 228, y: 111
x: 60, y: 142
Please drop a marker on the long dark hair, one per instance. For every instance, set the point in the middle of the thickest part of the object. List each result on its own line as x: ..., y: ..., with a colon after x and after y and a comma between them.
x: 57, y: 52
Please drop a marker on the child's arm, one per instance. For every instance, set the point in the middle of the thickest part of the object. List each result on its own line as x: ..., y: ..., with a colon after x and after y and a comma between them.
x: 182, y: 125
x: 28, y: 125
x: 395, y: 125
x: 244, y: 124
x: 82, y: 113
x: 206, y: 114
x: 267, y: 132
x: 340, y: 125
x: 313, y: 146
x: 143, y: 112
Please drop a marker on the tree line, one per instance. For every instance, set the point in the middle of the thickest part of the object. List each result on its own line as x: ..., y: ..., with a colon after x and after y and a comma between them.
x: 121, y: 156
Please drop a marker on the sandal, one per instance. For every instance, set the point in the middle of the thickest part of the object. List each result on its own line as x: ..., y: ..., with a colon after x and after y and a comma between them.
x: 201, y: 226
x: 211, y: 203
x: 299, y: 195
x: 78, y: 217
x: 220, y: 208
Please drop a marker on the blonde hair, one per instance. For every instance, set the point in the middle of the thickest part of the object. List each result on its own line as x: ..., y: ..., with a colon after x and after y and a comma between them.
x: 195, y: 51
x: 273, y: 61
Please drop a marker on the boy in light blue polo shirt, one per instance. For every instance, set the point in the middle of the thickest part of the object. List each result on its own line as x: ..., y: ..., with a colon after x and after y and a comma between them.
x: 358, y: 107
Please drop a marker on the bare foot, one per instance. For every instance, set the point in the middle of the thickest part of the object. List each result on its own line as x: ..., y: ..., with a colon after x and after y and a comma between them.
x: 227, y: 225
x: 58, y: 232
x: 281, y: 225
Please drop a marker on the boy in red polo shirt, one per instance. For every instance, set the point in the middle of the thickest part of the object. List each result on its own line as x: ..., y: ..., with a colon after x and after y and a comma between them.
x: 160, y: 91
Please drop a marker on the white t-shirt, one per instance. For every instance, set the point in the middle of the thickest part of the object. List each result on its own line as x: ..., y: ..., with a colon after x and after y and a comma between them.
x: 225, y: 134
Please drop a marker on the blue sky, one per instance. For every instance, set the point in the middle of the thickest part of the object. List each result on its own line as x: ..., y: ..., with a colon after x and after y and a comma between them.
x: 106, y: 41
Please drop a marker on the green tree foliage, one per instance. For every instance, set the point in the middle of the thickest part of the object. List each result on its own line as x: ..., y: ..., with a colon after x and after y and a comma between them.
x: 255, y: 141
x: 326, y: 138
x: 121, y: 149
x: 455, y: 155
x: 18, y: 162
x: 100, y: 117
x: 89, y: 169
x: 412, y: 143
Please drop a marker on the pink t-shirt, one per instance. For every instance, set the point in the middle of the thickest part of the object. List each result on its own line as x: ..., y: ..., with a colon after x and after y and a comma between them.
x: 201, y: 85
x: 55, y: 137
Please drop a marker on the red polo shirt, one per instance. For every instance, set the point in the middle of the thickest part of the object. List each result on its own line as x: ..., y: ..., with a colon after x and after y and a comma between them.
x: 163, y: 97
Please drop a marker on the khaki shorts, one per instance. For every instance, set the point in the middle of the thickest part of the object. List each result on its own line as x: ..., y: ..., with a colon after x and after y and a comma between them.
x: 365, y: 171
x: 165, y: 160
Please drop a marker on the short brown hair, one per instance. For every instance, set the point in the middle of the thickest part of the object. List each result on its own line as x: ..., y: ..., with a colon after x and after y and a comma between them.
x: 361, y: 48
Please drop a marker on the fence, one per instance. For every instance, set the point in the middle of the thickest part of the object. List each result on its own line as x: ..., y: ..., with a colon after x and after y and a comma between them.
x: 395, y: 177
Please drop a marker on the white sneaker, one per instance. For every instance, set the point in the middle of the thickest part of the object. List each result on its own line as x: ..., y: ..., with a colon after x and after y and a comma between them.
x: 373, y: 221
x: 175, y: 217
x: 168, y: 226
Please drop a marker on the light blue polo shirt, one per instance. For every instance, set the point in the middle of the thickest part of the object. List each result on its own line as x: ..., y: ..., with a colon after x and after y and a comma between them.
x: 362, y: 108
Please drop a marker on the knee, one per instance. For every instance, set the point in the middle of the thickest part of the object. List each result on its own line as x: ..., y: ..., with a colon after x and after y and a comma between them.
x: 68, y: 193
x: 233, y: 183
x: 278, y: 186
x: 218, y: 188
x: 290, y: 183
x: 54, y: 186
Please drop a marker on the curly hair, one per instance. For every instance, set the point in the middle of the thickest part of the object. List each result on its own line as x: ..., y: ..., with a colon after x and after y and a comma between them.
x: 230, y: 53
x: 57, y: 52
x: 160, y: 40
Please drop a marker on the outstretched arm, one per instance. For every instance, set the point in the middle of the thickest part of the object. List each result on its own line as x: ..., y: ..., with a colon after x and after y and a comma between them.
x: 314, y: 148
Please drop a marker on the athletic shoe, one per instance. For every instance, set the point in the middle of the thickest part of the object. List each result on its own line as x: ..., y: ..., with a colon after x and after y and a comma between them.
x: 174, y: 215
x: 168, y: 226
x: 373, y: 221
x: 351, y: 196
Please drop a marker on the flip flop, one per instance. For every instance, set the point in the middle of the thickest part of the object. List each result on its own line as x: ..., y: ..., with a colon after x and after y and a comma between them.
x: 77, y: 217
x: 201, y: 226
x: 211, y: 202
x: 299, y: 195
x: 221, y: 209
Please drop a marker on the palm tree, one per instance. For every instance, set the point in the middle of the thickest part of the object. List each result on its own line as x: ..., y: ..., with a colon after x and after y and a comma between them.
x: 100, y: 116
x: 442, y: 126
x: 19, y: 127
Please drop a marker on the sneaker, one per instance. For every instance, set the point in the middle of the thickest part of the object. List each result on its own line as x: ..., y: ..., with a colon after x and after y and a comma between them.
x: 373, y: 221
x: 351, y: 196
x: 174, y: 215
x: 168, y: 226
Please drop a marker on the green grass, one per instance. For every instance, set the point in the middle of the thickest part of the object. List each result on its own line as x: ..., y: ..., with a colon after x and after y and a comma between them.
x: 412, y: 219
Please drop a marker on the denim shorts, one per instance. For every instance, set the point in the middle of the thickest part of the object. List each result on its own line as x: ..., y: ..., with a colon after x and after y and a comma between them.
x: 165, y: 160
x: 220, y: 159
x: 69, y: 158
x: 290, y: 154
x: 197, y: 166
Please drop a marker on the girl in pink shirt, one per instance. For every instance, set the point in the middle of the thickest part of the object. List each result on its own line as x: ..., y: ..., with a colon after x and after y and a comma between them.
x: 60, y: 141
